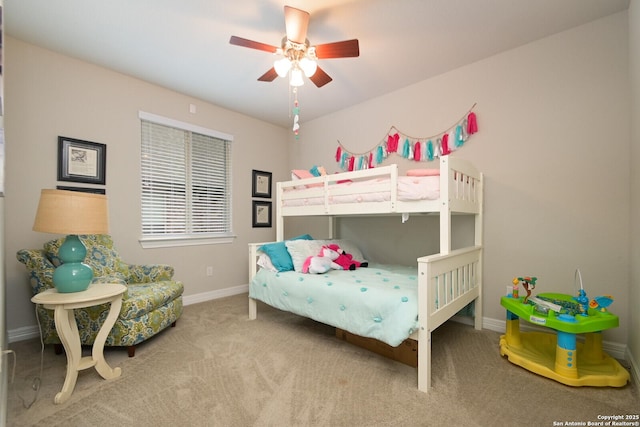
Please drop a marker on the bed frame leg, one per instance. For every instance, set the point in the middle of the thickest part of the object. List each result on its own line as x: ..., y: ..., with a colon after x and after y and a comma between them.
x: 477, y: 322
x: 253, y: 309
x: 477, y: 316
x: 424, y: 361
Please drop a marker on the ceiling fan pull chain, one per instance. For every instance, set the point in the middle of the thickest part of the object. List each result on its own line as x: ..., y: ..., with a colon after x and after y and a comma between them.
x: 296, y: 113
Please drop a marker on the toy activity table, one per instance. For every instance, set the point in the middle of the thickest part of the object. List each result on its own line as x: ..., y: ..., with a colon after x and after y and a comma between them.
x: 560, y: 356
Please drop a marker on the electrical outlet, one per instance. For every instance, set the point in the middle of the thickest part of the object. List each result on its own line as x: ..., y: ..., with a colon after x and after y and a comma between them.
x: 209, y: 271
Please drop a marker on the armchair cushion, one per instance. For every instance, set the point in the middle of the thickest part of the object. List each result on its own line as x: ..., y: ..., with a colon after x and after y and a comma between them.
x: 152, y: 301
x: 101, y: 256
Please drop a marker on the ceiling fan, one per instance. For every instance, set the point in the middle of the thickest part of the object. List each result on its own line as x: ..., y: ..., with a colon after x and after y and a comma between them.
x: 298, y: 56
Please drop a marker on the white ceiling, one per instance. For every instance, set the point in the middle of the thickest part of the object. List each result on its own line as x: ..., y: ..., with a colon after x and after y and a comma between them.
x: 184, y: 44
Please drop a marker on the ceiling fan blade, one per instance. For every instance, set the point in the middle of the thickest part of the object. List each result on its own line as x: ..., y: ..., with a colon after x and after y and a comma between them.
x: 269, y: 76
x: 239, y: 41
x: 343, y: 49
x: 296, y: 22
x: 320, y: 78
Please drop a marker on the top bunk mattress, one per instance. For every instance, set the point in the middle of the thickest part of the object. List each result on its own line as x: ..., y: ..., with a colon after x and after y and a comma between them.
x: 409, y: 188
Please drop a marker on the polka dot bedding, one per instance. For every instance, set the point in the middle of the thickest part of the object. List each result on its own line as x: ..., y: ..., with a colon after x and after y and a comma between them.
x: 379, y: 301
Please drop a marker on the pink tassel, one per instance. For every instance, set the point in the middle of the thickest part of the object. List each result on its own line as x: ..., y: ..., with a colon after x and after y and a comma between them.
x: 392, y: 143
x: 445, y: 144
x: 416, y: 152
x: 338, y: 154
x: 351, y: 163
x: 472, y: 123
x: 370, y: 160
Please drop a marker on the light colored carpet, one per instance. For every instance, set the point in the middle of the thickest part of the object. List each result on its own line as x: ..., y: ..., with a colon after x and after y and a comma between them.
x: 217, y: 368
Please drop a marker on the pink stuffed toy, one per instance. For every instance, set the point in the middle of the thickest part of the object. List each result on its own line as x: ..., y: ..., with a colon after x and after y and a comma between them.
x: 346, y: 260
x: 322, y: 262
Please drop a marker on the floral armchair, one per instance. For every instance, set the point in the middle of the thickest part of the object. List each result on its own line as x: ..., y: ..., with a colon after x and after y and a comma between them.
x: 152, y: 301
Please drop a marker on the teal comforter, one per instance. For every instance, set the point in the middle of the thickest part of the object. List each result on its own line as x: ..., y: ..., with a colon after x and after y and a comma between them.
x: 379, y: 301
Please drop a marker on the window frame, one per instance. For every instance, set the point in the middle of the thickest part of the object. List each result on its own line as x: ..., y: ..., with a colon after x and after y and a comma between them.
x: 173, y: 240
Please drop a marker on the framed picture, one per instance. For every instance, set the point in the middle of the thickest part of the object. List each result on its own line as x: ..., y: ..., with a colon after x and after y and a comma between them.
x: 81, y: 161
x: 82, y: 189
x: 261, y: 214
x: 261, y: 184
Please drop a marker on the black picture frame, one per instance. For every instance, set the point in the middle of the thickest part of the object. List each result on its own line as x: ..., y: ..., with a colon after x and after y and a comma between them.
x: 81, y: 161
x: 261, y: 213
x: 261, y: 184
x: 82, y: 189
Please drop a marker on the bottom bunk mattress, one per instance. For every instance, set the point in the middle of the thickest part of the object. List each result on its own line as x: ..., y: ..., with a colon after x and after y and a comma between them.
x: 379, y: 301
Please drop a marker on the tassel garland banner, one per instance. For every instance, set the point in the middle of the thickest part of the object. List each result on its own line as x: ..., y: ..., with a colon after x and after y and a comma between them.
x: 417, y: 149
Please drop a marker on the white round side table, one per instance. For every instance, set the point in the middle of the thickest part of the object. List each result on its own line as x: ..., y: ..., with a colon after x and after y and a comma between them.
x: 63, y: 305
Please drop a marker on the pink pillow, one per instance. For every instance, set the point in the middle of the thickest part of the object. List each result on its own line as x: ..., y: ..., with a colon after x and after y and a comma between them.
x: 303, y: 174
x: 423, y: 172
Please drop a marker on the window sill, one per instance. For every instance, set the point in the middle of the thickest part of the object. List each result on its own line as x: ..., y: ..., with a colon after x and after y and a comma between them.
x: 170, y: 242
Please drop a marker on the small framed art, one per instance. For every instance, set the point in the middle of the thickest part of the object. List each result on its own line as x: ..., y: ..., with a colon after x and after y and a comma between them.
x: 261, y: 214
x: 261, y: 184
x: 81, y: 161
x: 82, y: 189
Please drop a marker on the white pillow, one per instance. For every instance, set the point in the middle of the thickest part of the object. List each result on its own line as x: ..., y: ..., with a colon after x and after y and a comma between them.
x: 264, y: 261
x: 300, y: 250
x: 349, y: 247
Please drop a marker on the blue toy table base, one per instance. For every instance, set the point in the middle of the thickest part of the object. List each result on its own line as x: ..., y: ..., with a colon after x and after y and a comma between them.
x: 560, y: 356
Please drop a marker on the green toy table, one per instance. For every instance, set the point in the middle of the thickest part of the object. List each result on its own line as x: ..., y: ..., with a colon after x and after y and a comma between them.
x: 560, y: 356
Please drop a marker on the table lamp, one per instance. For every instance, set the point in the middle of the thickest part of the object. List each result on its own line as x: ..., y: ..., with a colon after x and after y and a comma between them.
x: 72, y: 213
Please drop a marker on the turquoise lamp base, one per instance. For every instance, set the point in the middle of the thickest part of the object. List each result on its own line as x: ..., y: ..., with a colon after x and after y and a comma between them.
x: 72, y: 275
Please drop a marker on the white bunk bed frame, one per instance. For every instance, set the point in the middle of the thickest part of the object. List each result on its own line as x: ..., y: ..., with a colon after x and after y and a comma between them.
x: 447, y: 281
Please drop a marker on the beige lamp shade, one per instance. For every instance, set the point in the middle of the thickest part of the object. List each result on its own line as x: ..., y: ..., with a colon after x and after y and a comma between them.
x: 72, y: 212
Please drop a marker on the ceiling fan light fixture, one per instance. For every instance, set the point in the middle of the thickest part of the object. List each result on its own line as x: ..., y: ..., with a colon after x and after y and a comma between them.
x: 308, y: 66
x: 295, y: 79
x: 296, y: 55
x: 282, y: 66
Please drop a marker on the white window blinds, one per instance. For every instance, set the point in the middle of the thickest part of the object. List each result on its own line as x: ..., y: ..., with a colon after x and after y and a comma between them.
x: 186, y: 182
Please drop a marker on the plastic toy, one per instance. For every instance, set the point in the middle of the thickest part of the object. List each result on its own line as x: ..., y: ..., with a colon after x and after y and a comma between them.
x: 529, y: 284
x: 583, y: 301
x: 560, y: 356
x: 601, y: 303
x: 516, y: 284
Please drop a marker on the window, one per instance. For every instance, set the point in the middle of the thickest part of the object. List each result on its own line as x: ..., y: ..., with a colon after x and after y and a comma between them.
x: 185, y: 183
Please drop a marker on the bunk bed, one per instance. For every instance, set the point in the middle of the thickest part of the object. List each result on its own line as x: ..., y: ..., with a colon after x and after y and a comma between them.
x: 445, y: 283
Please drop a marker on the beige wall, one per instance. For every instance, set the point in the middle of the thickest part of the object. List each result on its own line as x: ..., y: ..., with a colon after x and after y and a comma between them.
x: 553, y: 143
x: 49, y: 95
x: 634, y: 300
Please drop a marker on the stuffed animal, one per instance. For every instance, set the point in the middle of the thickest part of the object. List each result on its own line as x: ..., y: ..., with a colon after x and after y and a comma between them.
x: 346, y: 260
x: 322, y: 262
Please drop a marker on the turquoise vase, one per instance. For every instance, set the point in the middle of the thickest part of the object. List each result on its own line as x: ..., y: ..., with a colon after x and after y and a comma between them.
x: 72, y: 275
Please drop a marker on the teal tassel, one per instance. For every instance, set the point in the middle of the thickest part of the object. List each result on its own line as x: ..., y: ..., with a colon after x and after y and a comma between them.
x: 379, y: 154
x: 430, y: 150
x: 343, y: 161
x: 406, y: 149
x: 361, y: 163
x: 459, y: 139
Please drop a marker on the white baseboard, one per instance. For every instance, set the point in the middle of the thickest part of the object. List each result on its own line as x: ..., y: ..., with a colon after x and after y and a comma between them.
x: 28, y: 332
x: 633, y: 366
x: 24, y: 333
x: 211, y: 295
